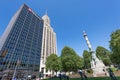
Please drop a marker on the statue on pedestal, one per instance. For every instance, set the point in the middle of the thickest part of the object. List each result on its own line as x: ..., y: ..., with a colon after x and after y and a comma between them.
x: 98, y: 67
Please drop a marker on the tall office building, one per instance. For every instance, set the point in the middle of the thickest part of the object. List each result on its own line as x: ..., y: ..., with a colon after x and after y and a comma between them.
x: 22, y: 41
x: 48, y: 43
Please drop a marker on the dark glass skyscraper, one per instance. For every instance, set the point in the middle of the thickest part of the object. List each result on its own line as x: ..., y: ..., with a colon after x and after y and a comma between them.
x: 22, y: 40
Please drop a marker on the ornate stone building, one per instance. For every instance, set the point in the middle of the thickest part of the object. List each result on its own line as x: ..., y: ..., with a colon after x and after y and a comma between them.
x: 48, y: 44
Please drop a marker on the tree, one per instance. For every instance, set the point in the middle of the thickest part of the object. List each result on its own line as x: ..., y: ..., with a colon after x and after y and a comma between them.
x: 104, y: 55
x: 87, y: 59
x: 53, y: 62
x: 113, y: 58
x: 68, y: 51
x: 70, y: 60
x: 115, y: 46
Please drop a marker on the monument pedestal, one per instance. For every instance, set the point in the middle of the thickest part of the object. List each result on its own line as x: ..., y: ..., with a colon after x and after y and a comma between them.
x: 98, y: 68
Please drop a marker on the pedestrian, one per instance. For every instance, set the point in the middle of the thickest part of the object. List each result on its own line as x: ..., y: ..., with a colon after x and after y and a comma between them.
x: 84, y: 75
x: 63, y: 76
x: 81, y: 74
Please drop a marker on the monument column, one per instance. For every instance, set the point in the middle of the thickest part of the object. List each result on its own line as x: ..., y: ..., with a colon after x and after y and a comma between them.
x: 98, y: 67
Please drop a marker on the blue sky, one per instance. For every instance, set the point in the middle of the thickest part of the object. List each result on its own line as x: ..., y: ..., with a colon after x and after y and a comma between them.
x: 70, y: 18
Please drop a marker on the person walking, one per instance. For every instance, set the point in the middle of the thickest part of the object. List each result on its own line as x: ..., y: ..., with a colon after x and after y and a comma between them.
x: 84, y: 75
x: 81, y: 74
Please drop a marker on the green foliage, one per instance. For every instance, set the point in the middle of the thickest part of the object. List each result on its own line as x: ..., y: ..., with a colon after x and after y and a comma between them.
x: 70, y: 60
x: 67, y: 51
x: 90, y: 71
x: 53, y: 62
x: 115, y: 46
x: 104, y: 55
x: 113, y: 69
x: 87, y: 59
x: 114, y: 58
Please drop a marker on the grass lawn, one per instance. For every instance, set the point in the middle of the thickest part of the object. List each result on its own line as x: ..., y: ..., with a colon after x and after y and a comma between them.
x: 90, y: 78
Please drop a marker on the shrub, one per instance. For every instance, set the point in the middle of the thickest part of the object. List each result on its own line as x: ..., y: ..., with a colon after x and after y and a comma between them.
x: 89, y: 71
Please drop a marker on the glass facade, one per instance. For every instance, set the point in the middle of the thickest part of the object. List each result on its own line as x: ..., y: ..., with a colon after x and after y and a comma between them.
x: 23, y: 43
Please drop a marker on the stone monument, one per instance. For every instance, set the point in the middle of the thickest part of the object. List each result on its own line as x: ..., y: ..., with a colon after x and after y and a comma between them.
x: 98, y: 67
